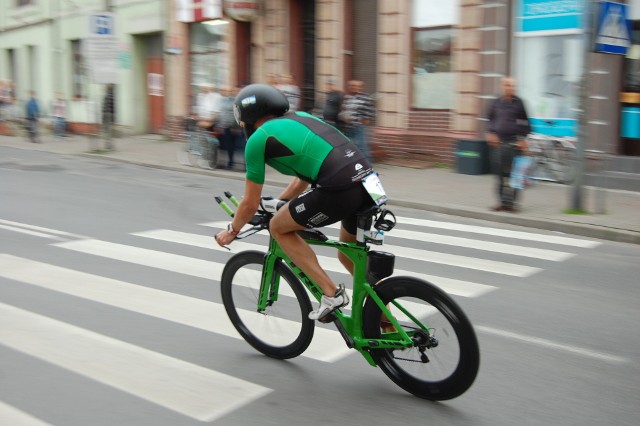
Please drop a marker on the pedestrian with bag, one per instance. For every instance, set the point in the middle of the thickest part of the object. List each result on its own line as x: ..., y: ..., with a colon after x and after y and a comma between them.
x: 506, y: 132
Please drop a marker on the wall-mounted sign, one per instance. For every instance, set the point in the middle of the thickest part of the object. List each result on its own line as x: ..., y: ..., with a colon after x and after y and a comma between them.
x: 244, y: 11
x: 198, y: 10
x: 551, y: 16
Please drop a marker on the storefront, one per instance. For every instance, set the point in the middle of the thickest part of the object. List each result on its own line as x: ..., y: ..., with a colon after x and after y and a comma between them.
x: 549, y: 56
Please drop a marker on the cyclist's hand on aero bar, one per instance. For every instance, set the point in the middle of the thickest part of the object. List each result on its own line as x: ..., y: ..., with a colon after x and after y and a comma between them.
x: 225, y: 237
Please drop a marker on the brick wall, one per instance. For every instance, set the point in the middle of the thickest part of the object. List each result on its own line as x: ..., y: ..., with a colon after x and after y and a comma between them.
x: 427, y: 141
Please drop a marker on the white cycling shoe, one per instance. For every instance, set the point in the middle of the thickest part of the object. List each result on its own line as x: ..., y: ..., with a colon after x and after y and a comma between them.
x: 330, y: 304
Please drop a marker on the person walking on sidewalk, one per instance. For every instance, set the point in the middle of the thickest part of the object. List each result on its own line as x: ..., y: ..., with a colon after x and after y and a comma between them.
x: 358, y: 112
x: 508, y: 126
x: 332, y: 105
x: 33, y: 114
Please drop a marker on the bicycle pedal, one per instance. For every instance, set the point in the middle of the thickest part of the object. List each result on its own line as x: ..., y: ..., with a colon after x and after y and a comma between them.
x: 329, y: 318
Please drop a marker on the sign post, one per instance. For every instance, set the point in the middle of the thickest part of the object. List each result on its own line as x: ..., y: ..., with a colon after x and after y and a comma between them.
x: 610, y: 34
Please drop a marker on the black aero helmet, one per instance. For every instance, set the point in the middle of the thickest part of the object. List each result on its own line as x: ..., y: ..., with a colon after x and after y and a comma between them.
x: 256, y: 101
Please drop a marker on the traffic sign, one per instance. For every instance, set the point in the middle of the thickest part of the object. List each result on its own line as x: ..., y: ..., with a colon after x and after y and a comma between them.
x: 102, y: 48
x: 613, y: 33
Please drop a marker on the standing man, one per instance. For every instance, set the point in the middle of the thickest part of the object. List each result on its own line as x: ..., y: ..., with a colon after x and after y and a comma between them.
x: 109, y: 115
x: 231, y: 136
x: 508, y: 126
x: 358, y: 113
x: 33, y: 114
x: 333, y: 105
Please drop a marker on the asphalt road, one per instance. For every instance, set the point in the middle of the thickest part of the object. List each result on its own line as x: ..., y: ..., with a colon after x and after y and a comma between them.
x: 110, y: 313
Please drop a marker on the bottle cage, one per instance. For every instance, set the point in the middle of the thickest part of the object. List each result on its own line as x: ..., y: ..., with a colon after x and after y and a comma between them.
x: 385, y: 221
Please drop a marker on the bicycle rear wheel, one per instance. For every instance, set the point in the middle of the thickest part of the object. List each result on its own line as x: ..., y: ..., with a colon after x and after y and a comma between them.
x: 284, y: 329
x: 444, y: 361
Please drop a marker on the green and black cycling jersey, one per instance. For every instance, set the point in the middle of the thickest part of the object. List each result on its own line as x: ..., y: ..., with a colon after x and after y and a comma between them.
x: 299, y: 144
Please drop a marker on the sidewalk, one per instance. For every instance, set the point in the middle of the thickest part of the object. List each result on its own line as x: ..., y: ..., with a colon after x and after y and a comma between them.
x: 437, y: 190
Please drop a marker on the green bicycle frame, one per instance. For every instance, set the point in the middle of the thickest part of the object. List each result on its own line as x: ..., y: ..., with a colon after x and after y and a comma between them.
x: 350, y: 326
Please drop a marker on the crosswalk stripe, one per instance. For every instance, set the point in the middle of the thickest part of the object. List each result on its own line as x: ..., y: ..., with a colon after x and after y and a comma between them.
x: 326, y: 346
x: 12, y: 416
x: 545, y: 238
x: 456, y: 287
x: 493, y: 266
x: 40, y: 231
x: 398, y: 232
x: 532, y: 252
x: 180, y: 386
x: 29, y: 232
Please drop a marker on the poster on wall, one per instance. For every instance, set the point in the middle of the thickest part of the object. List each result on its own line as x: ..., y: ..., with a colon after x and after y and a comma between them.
x: 549, y: 15
x: 549, y: 52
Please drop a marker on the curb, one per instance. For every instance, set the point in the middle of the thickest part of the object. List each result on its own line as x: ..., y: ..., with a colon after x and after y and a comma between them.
x: 560, y: 226
x: 564, y: 227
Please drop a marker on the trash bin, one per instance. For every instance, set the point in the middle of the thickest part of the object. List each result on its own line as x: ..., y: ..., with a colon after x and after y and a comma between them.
x: 472, y: 157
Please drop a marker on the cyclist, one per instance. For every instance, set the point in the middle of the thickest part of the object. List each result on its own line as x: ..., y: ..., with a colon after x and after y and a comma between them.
x: 317, y: 154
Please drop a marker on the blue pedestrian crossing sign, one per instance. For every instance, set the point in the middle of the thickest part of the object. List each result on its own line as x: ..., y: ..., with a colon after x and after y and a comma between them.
x: 613, y: 34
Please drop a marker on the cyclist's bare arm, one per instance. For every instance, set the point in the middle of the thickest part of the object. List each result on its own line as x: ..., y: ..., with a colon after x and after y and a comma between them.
x: 246, y: 209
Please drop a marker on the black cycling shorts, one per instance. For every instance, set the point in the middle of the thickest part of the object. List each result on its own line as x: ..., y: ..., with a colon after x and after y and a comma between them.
x: 318, y: 207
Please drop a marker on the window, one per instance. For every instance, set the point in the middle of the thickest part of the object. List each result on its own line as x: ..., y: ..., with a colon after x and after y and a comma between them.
x: 433, y: 80
x: 79, y: 70
x: 23, y: 2
x: 209, y: 55
x: 550, y: 47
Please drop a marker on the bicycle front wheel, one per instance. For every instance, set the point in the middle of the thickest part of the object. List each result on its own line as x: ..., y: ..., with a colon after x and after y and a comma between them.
x: 444, y: 361
x: 284, y: 329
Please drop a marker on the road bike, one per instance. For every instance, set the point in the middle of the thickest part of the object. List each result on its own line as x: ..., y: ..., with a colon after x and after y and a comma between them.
x: 553, y: 158
x: 418, y: 336
x: 201, y: 148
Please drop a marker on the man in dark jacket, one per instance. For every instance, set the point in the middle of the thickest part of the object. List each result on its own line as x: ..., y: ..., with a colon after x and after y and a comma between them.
x: 333, y: 105
x: 506, y: 132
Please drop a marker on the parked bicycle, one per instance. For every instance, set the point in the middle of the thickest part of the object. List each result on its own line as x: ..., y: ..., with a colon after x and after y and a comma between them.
x: 412, y: 330
x: 201, y: 148
x: 554, y: 158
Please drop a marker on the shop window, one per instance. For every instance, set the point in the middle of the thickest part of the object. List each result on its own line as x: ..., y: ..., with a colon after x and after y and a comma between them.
x: 548, y: 80
x: 433, y: 79
x: 209, y: 55
x: 631, y: 82
x: 79, y: 70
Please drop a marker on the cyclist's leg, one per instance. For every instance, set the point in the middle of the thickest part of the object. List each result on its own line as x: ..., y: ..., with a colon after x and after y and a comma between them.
x: 283, y: 228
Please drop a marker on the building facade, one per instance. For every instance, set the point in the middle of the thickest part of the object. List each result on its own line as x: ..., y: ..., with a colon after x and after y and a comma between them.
x: 43, y: 48
x: 432, y: 66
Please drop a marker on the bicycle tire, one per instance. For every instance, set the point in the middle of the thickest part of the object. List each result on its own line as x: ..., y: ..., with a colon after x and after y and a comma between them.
x: 445, y: 375
x: 284, y: 329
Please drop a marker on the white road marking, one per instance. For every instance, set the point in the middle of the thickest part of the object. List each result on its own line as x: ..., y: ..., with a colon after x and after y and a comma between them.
x: 457, y: 287
x: 327, y: 345
x: 545, y: 238
x: 39, y: 231
x: 186, y: 388
x: 467, y: 262
x: 553, y: 345
x: 11, y: 416
x: 398, y: 232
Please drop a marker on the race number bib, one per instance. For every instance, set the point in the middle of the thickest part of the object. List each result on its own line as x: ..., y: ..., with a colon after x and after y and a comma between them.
x: 374, y: 187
